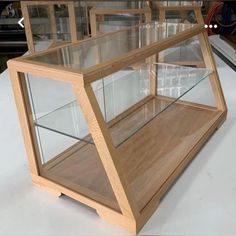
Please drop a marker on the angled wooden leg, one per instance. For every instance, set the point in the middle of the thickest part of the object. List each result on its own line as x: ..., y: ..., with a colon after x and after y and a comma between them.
x: 108, y: 154
x: 26, y: 121
x: 40, y: 184
x: 119, y: 220
x: 210, y: 64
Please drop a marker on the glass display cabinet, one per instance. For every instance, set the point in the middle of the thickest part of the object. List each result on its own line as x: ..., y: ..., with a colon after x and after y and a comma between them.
x: 50, y: 23
x: 106, y: 124
x: 109, y: 18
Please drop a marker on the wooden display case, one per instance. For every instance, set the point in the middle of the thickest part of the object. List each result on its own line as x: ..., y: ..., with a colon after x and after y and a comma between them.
x: 113, y: 129
x: 53, y: 22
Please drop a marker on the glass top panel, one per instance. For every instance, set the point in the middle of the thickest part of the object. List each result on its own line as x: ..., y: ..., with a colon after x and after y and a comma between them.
x: 173, y: 83
x: 97, y: 50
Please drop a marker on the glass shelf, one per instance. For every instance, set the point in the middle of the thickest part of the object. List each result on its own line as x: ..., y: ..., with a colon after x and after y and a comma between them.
x: 93, y: 51
x: 173, y: 83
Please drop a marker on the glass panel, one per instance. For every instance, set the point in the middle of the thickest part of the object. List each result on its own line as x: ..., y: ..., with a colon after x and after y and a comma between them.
x: 108, y: 23
x: 62, y: 22
x: 48, y: 96
x: 120, y: 91
x: 187, y: 53
x: 185, y: 17
x: 67, y: 156
x: 117, y: 92
x: 51, y: 144
x: 49, y: 24
x: 97, y: 50
x: 43, y: 90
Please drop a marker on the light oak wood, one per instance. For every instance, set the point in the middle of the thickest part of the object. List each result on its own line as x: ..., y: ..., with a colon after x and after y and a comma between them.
x: 49, y: 190
x: 84, y: 169
x: 136, y: 156
x: 210, y: 63
x: 107, y: 152
x: 25, y: 115
x: 52, y: 72
x: 45, y: 183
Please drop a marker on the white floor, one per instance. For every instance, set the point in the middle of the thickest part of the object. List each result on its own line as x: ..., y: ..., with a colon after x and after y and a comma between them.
x: 202, y: 201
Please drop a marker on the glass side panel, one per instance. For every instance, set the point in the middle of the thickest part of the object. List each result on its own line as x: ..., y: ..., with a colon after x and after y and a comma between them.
x: 186, y: 53
x: 71, y: 161
x: 49, y: 24
x: 107, y: 23
x: 97, y: 50
x: 48, y: 96
x: 180, y: 16
x: 117, y: 93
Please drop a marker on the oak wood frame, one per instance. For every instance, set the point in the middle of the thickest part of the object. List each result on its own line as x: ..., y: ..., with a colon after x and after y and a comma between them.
x: 52, y: 20
x: 129, y: 216
x: 94, y: 12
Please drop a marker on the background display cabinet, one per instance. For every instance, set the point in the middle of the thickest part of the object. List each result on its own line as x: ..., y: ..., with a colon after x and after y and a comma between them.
x: 114, y: 128
x: 109, y: 18
x: 49, y: 23
x: 185, y: 12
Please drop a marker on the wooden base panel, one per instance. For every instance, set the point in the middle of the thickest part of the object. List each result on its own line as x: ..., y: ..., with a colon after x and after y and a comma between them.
x: 49, y: 190
x: 148, y: 158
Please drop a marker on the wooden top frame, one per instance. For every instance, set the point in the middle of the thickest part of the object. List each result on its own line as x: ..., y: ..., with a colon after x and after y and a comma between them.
x: 95, y: 72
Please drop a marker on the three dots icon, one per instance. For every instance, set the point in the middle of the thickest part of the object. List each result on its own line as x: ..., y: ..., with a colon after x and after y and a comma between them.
x: 211, y: 26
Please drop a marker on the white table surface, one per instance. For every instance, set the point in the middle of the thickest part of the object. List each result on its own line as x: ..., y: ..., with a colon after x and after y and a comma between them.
x: 201, y: 202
